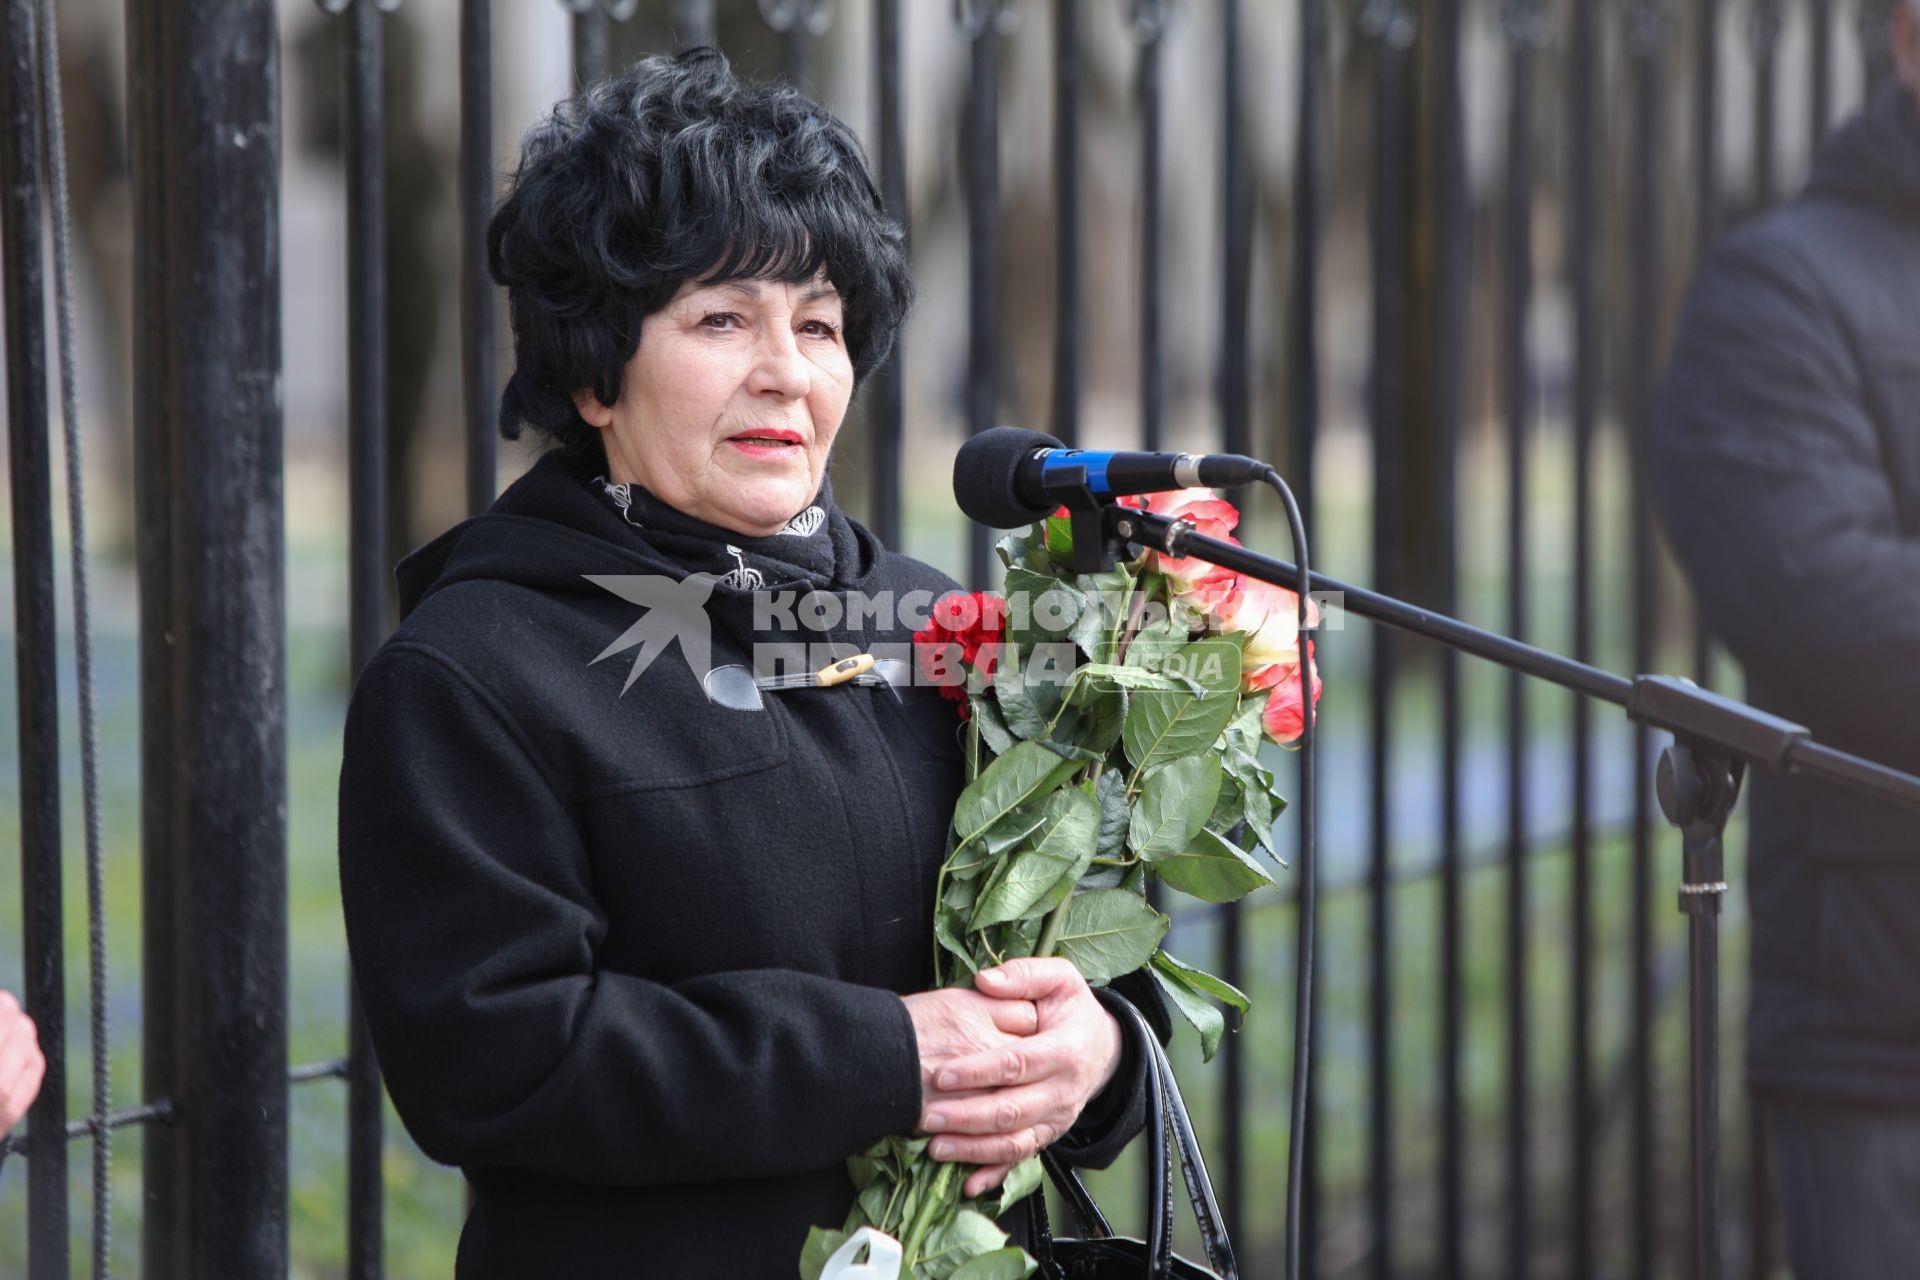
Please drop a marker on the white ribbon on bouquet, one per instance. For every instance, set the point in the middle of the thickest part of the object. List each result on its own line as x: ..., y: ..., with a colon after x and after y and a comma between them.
x: 883, y: 1258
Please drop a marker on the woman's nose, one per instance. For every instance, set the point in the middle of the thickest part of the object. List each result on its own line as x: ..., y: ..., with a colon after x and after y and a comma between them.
x: 779, y: 368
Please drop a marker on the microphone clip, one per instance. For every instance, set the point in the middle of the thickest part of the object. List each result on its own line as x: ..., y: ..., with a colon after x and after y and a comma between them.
x: 1098, y: 544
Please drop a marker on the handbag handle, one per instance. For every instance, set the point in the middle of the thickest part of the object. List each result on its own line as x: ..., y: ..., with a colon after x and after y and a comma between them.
x: 1167, y: 1112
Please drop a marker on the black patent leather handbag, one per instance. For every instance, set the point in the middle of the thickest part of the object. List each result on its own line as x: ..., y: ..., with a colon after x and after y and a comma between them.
x: 1097, y: 1253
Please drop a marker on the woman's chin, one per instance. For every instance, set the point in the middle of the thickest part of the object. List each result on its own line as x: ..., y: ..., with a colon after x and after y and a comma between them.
x: 762, y: 510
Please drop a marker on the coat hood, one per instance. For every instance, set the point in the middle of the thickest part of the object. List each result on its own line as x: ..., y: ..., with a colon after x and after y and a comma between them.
x: 1875, y: 157
x: 549, y: 529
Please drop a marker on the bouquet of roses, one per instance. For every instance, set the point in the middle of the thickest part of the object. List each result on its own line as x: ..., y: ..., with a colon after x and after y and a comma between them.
x: 1113, y: 724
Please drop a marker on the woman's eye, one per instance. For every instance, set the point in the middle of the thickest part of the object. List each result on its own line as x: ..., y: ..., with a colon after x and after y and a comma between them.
x: 720, y: 320
x: 823, y: 328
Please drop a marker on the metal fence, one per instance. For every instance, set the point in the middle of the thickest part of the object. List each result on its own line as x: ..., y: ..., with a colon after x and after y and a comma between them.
x: 1594, y: 95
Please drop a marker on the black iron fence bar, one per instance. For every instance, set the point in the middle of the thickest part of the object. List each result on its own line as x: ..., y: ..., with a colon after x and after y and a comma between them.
x: 31, y: 479
x: 148, y: 156
x: 693, y: 22
x: 22, y: 1144
x: 1389, y: 24
x: 1066, y: 221
x: 1303, y: 403
x: 1763, y: 40
x: 981, y: 22
x: 161, y: 1113
x: 1584, y: 154
x: 47, y: 56
x: 1764, y: 30
x: 331, y: 1069
x: 1236, y: 436
x: 1708, y: 207
x: 1872, y: 18
x: 798, y: 23
x: 365, y: 153
x: 223, y: 207
x: 890, y: 126
x: 589, y: 42
x: 1450, y: 233
x: 217, y: 74
x: 1820, y: 72
x: 1524, y: 24
x: 1148, y: 20
x: 477, y: 380
x: 1646, y: 45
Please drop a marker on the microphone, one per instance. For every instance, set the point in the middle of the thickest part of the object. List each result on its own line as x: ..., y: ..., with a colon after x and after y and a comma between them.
x: 1006, y: 477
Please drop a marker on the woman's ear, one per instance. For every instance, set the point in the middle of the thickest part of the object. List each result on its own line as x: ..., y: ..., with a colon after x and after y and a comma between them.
x: 591, y: 411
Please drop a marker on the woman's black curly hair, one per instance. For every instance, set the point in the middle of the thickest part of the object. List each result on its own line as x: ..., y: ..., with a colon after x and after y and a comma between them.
x: 677, y: 171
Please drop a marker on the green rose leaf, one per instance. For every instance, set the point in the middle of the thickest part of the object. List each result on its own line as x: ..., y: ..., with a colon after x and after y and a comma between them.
x: 1110, y: 932
x: 1114, y: 814
x: 821, y: 1244
x: 1041, y: 607
x: 1185, y: 722
x: 1206, y: 1019
x: 1107, y: 675
x: 1201, y: 981
x: 1009, y: 830
x: 1092, y: 719
x: 1025, y: 772
x: 1061, y: 850
x: 993, y: 726
x: 1002, y: 1264
x: 1227, y: 806
x: 1212, y: 870
x: 965, y: 1236
x: 1175, y: 800
x: 1153, y: 643
x: 1059, y: 539
x: 948, y: 928
x: 1024, y: 716
x: 1021, y: 1181
x: 1015, y: 547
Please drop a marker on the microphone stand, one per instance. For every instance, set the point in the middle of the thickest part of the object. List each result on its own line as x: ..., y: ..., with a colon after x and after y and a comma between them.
x: 1716, y: 740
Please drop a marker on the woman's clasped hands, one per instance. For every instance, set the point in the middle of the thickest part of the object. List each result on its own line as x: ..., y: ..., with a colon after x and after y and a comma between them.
x: 1006, y: 1068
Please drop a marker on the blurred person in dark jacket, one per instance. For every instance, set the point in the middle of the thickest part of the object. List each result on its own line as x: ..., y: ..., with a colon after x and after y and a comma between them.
x: 1785, y: 457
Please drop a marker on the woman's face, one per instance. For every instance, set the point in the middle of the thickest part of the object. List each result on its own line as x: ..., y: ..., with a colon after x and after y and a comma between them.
x: 729, y: 407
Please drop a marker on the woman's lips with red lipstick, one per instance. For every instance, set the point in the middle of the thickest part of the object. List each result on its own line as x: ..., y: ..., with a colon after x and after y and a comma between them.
x: 769, y: 442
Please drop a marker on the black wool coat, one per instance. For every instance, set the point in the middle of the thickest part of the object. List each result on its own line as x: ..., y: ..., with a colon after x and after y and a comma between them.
x: 1785, y: 451
x: 633, y: 960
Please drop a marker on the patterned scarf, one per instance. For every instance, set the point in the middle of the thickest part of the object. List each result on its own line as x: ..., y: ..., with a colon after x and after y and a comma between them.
x: 811, y: 551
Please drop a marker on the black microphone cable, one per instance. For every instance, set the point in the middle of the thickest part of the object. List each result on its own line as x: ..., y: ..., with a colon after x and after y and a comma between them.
x: 1307, y: 900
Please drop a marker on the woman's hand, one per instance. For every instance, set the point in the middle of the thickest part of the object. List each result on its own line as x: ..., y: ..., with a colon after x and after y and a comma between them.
x: 956, y: 1024
x: 996, y: 1107
x: 21, y: 1063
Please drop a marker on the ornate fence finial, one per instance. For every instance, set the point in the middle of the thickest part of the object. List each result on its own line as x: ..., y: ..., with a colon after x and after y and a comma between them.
x: 981, y: 17
x: 1647, y: 22
x: 811, y: 16
x: 1526, y: 24
x: 1764, y: 25
x: 1147, y: 19
x: 1391, y: 22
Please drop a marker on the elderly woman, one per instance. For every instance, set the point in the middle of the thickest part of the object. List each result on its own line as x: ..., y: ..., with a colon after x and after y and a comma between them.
x: 649, y: 964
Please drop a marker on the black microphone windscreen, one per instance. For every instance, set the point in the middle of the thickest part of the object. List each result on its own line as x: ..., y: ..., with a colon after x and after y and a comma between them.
x: 986, y: 472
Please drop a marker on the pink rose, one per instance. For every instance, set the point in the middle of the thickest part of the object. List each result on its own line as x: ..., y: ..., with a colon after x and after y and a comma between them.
x: 1205, y: 595
x: 1212, y: 516
x: 1269, y: 616
x: 1283, y: 719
